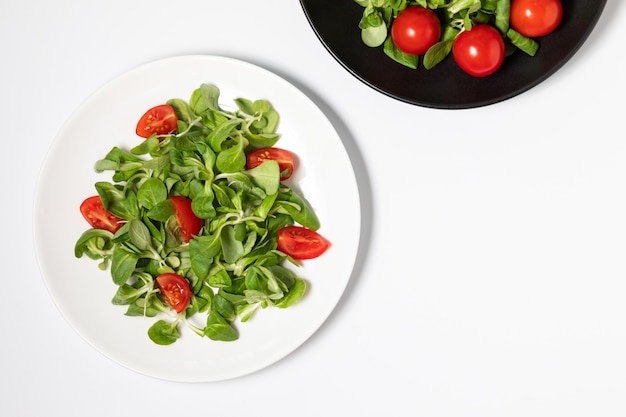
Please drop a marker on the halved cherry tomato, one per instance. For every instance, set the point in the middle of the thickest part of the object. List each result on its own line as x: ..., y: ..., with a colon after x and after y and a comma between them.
x: 301, y: 243
x: 415, y: 30
x: 175, y: 290
x: 479, y: 51
x: 160, y: 119
x: 535, y: 18
x: 283, y: 157
x: 98, y: 217
x: 188, y: 222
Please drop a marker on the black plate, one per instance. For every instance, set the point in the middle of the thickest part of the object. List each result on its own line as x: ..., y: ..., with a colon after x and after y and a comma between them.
x: 446, y: 86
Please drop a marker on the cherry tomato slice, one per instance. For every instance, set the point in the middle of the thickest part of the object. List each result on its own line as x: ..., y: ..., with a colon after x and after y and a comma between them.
x: 98, y: 217
x: 479, y: 51
x: 415, y: 30
x: 283, y: 157
x: 301, y: 243
x: 160, y: 119
x: 534, y: 18
x: 175, y: 290
x: 188, y: 222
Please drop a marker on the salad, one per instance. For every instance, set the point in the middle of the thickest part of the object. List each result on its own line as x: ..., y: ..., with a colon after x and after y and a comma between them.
x: 198, y: 220
x: 478, y: 33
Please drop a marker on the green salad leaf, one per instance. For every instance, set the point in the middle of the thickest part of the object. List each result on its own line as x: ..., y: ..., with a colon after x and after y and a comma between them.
x: 232, y: 266
x: 455, y: 16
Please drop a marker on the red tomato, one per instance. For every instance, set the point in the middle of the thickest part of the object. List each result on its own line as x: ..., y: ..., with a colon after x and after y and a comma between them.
x: 188, y: 222
x: 160, y: 119
x: 175, y: 290
x: 535, y: 18
x: 283, y: 157
x: 415, y: 29
x: 98, y: 217
x: 301, y: 243
x: 479, y: 51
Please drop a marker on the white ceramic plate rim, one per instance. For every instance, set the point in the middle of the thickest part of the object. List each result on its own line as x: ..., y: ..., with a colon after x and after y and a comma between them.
x: 82, y: 292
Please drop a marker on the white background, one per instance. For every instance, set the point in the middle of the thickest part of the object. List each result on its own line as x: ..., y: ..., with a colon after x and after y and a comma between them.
x: 490, y: 279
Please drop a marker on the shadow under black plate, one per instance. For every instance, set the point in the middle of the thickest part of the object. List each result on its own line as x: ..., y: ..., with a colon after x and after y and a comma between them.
x: 446, y: 86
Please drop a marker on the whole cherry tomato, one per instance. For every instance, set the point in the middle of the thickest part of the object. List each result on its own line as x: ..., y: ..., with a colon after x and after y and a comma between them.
x: 534, y: 18
x: 415, y: 30
x: 479, y: 51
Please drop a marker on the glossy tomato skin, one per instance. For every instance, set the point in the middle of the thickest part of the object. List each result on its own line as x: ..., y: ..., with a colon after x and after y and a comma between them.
x: 301, y: 243
x: 415, y: 30
x: 160, y: 120
x: 535, y: 18
x: 479, y: 51
x: 98, y: 217
x: 188, y: 222
x: 282, y: 156
x: 175, y: 290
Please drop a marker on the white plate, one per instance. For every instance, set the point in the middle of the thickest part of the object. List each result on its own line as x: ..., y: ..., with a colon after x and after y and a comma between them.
x: 83, y: 292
